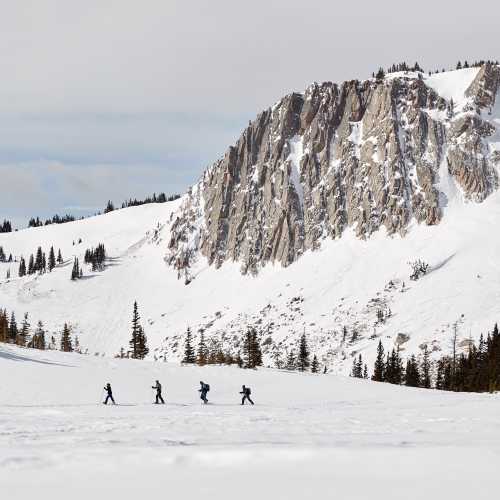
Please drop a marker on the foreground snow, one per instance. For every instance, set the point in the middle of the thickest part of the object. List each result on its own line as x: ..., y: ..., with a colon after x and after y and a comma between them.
x: 307, y: 435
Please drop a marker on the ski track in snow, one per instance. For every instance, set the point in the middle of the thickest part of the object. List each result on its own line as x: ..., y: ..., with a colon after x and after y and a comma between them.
x: 306, y: 435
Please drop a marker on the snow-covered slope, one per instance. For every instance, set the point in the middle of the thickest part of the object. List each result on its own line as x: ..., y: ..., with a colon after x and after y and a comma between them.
x: 342, y: 284
x: 308, y: 436
x: 336, y: 286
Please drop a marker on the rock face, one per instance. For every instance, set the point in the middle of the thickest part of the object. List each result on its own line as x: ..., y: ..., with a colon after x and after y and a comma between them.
x: 360, y: 155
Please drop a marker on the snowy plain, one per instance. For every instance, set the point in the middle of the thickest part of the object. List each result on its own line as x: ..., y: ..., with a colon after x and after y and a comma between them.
x: 307, y: 435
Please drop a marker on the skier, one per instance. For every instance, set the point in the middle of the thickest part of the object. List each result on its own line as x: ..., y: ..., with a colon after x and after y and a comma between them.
x: 110, y: 394
x: 246, y: 394
x: 203, y: 391
x: 158, y: 393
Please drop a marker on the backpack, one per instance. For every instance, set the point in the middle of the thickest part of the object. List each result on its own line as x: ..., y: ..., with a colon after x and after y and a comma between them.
x: 207, y: 387
x: 248, y: 391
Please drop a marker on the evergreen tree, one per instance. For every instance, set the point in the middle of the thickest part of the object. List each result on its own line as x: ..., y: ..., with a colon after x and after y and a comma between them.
x: 315, y: 365
x: 357, y: 367
x: 109, y: 207
x: 251, y: 349
x: 426, y: 369
x: 189, y: 355
x: 4, y: 326
x: 66, y: 343
x: 22, y: 267
x: 13, y: 331
x: 52, y: 259
x: 135, y: 340
x: 303, y: 359
x: 38, y: 267
x: 290, y: 361
x: 23, y: 335
x: 412, y: 373
x: 142, y: 344
x: 379, y: 368
x: 31, y: 265
x: 76, y: 272
x: 202, y: 354
x: 59, y: 257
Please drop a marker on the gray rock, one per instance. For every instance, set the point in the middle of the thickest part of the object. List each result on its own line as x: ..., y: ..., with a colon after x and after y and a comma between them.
x: 361, y: 155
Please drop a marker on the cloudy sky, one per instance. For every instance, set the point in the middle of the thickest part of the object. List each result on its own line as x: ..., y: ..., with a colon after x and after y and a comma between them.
x: 108, y: 99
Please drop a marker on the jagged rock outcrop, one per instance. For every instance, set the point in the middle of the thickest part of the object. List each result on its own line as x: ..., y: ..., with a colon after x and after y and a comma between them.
x: 361, y: 155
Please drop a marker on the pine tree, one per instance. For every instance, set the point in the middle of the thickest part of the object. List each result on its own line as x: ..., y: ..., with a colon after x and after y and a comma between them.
x: 52, y: 259
x: 426, y: 369
x: 31, y: 265
x: 142, y: 344
x: 4, y: 326
x: 189, y: 355
x: 38, y: 267
x: 202, y: 354
x: 136, y: 327
x: 59, y: 257
x: 315, y: 365
x: 412, y: 373
x: 66, y: 343
x: 109, y: 207
x: 380, y: 74
x: 290, y: 361
x: 251, y: 349
x: 13, y: 331
x: 378, y: 370
x: 256, y: 350
x: 22, y: 267
x: 23, y: 335
x: 303, y: 360
x: 75, y: 272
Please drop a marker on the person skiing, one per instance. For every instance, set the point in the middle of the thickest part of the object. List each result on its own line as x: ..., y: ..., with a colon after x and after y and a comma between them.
x: 109, y: 395
x: 158, y: 393
x: 246, y: 394
x: 203, y: 391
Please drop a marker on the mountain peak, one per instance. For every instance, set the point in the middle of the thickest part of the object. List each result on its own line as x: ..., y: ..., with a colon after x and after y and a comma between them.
x: 364, y: 155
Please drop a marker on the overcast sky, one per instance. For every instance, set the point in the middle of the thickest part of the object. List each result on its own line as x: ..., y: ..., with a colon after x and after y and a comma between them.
x: 110, y: 99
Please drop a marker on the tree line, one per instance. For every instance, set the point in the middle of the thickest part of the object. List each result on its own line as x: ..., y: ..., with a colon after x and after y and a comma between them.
x: 24, y: 336
x: 96, y: 257
x: 404, y: 67
x: 6, y: 226
x: 478, y: 370
x: 155, y: 198
x: 39, y: 262
x: 249, y: 356
x: 56, y: 219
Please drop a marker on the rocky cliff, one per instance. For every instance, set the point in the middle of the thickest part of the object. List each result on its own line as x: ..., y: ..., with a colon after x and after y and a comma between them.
x: 364, y: 155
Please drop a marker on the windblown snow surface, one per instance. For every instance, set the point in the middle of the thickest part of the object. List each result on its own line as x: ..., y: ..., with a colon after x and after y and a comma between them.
x: 308, y: 436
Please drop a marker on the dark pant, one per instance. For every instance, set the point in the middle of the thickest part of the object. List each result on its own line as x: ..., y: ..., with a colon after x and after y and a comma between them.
x: 108, y: 397
x: 245, y: 397
x: 203, y: 397
x: 159, y: 398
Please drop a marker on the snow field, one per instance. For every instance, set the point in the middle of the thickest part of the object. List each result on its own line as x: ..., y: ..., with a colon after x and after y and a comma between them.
x: 306, y: 435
